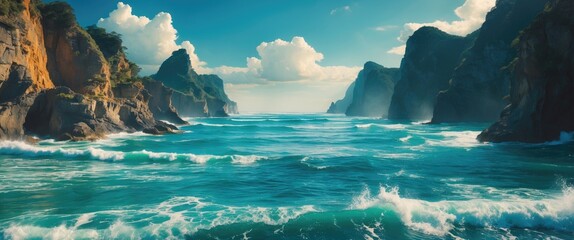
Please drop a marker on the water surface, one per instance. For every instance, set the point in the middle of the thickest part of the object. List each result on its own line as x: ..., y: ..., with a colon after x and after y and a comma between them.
x: 279, y: 176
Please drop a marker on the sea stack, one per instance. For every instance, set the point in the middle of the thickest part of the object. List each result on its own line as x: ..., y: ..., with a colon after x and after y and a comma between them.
x: 195, y: 95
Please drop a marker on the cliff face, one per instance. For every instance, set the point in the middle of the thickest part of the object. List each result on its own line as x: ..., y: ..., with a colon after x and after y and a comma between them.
x: 23, y: 69
x: 23, y: 56
x: 177, y: 73
x: 431, y: 56
x: 160, y: 102
x: 187, y: 105
x: 542, y: 81
x: 74, y: 59
x: 65, y: 115
x: 342, y: 105
x: 479, y: 84
x: 55, y: 82
x: 373, y: 91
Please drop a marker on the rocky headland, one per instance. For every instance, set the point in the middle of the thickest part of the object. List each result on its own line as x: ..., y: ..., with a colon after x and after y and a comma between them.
x: 59, y: 80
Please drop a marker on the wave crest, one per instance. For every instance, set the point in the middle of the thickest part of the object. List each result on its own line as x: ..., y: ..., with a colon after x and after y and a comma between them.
x: 439, y: 218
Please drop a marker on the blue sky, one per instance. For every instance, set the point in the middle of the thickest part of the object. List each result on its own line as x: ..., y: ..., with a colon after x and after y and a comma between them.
x: 313, y: 35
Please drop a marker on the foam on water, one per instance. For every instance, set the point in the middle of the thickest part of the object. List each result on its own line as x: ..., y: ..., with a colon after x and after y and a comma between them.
x: 386, y: 126
x: 439, y: 218
x: 171, y: 219
x: 464, y: 139
x: 27, y: 150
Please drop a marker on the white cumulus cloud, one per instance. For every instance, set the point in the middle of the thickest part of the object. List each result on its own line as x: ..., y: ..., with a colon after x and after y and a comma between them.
x: 283, y: 61
x: 149, y: 41
x: 400, y: 50
x: 471, y: 17
x: 472, y: 14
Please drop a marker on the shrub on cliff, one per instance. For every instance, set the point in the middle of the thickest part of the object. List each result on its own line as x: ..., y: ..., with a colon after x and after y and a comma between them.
x: 110, y: 43
x: 58, y: 15
x: 9, y: 7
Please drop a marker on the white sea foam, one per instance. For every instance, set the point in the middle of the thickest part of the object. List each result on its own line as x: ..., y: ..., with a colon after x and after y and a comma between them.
x: 387, y: 126
x: 565, y: 137
x: 171, y: 219
x: 245, y: 160
x: 83, y: 219
x: 24, y: 149
x: 406, y: 139
x: 400, y: 156
x: 465, y: 139
x: 439, y: 218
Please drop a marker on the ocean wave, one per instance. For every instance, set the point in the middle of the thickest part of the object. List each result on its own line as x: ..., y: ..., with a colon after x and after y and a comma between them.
x: 368, y: 215
x: 23, y: 149
x: 465, y: 139
x: 386, y: 126
x: 565, y: 137
x: 440, y: 218
x: 174, y: 218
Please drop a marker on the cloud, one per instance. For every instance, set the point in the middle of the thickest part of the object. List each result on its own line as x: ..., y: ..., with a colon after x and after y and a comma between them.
x: 341, y: 9
x: 400, y: 50
x: 472, y: 14
x: 149, y: 41
x: 385, y: 28
x: 282, y: 61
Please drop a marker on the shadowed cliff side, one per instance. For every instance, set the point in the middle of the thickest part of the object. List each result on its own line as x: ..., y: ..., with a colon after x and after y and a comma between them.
x: 480, y: 83
x: 196, y: 95
x: 430, y: 58
x: 373, y: 91
x: 542, y: 82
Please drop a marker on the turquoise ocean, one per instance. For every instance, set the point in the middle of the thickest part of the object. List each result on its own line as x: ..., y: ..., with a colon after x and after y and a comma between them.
x: 289, y: 176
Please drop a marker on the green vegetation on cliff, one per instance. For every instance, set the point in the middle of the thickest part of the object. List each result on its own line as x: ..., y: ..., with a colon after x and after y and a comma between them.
x: 10, y: 7
x: 123, y: 70
x: 58, y: 15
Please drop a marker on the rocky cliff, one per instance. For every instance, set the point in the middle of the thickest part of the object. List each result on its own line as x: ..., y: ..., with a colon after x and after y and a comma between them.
x: 23, y: 55
x: 74, y: 59
x: 125, y: 81
x: 206, y: 92
x: 341, y: 106
x: 480, y: 83
x: 373, y: 91
x: 55, y: 81
x: 160, y: 102
x: 542, y: 81
x: 431, y: 57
